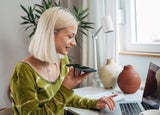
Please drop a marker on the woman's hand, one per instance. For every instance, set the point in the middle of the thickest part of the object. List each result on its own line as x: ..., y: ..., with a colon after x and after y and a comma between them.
x: 106, y: 102
x: 71, y: 80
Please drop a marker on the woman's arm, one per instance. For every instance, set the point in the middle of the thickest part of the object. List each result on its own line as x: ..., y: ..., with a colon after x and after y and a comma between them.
x: 25, y: 98
x: 81, y: 102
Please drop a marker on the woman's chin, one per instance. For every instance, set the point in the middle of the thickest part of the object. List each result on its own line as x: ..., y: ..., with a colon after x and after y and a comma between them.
x: 64, y: 53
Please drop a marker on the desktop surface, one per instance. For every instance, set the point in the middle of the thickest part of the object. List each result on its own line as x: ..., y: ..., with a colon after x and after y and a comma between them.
x: 91, y: 92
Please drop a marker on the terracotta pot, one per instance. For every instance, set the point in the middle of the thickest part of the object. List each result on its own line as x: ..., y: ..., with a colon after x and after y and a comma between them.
x: 129, y: 80
x: 108, y: 74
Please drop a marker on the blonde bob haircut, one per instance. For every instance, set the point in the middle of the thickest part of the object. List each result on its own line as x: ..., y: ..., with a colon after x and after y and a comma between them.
x: 42, y: 44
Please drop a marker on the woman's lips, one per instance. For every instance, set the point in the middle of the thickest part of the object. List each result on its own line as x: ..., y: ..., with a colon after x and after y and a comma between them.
x: 68, y: 48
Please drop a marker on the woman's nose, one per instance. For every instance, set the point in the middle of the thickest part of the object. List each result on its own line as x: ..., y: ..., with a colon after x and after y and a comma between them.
x: 73, y: 42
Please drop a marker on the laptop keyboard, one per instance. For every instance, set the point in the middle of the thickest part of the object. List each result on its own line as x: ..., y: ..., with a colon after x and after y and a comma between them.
x: 130, y: 108
x: 146, y: 106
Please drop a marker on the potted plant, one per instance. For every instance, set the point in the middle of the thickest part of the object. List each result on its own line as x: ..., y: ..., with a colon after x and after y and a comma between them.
x: 33, y: 14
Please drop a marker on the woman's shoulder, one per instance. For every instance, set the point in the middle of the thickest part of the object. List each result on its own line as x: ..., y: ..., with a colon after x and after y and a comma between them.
x: 23, y: 63
x: 22, y: 66
x: 26, y: 63
x: 21, y: 69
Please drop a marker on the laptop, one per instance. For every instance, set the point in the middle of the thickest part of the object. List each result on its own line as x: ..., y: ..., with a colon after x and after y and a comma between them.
x: 150, y: 98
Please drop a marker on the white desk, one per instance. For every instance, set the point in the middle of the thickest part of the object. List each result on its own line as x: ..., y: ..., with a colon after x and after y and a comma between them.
x: 96, y: 93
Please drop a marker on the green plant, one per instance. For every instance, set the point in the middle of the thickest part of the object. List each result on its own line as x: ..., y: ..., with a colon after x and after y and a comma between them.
x: 33, y: 14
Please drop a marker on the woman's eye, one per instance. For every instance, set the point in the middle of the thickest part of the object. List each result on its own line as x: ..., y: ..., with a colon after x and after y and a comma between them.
x: 71, y: 36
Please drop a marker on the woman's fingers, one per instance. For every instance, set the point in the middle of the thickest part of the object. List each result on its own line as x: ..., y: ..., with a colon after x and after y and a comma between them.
x: 107, y: 102
x: 79, y: 74
x: 111, y: 98
x: 114, y: 95
x: 71, y: 71
x: 71, y: 80
x: 110, y: 103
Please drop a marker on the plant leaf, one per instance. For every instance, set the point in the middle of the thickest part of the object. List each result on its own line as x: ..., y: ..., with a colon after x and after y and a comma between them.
x: 24, y: 8
x: 33, y: 14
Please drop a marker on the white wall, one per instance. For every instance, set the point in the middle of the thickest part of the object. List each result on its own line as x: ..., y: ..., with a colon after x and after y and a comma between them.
x: 140, y: 63
x: 13, y: 43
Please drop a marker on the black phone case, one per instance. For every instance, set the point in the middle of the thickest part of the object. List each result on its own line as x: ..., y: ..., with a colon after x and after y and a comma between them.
x: 82, y: 68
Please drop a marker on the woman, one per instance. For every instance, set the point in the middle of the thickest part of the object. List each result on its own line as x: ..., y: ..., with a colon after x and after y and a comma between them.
x: 41, y: 84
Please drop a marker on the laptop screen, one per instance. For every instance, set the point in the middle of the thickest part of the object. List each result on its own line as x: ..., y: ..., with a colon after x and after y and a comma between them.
x: 151, y: 93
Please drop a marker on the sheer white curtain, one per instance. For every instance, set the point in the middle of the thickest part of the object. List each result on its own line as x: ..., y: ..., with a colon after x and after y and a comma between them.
x: 106, y: 43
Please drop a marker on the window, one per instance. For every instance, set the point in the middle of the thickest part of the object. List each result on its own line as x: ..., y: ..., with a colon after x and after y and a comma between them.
x: 141, y: 25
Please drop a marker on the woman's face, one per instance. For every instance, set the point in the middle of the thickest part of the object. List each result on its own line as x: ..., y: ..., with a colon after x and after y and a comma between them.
x: 65, y: 39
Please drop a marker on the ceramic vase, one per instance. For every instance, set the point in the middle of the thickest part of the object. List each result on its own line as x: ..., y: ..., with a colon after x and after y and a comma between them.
x: 129, y: 80
x: 108, y: 74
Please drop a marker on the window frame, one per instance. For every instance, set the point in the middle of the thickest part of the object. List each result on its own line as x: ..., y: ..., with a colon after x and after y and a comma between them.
x: 130, y: 45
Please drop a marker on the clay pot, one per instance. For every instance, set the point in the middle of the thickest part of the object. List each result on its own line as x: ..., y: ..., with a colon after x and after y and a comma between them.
x: 108, y: 74
x: 129, y: 80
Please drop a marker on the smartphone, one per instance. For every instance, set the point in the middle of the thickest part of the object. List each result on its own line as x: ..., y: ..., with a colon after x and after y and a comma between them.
x: 82, y: 68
